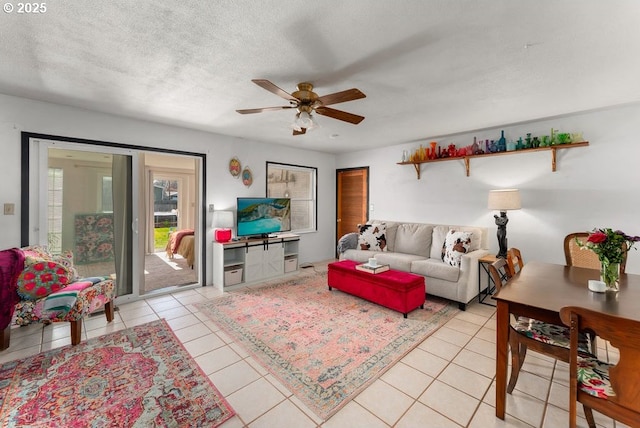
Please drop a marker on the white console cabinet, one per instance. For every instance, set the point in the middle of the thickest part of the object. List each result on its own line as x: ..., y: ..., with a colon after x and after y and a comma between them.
x: 252, y: 260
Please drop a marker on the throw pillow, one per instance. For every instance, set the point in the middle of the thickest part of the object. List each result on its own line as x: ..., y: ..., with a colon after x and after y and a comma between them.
x: 455, y: 245
x: 372, y: 237
x: 41, y: 277
x: 65, y: 258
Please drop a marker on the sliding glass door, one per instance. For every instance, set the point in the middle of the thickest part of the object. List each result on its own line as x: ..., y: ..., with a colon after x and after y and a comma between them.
x: 171, y: 257
x: 111, y: 205
x: 85, y: 205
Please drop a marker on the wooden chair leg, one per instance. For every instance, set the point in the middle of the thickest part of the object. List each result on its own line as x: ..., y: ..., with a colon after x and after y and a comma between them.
x: 518, y: 353
x: 6, y: 338
x: 588, y: 414
x: 108, y: 310
x: 76, y: 332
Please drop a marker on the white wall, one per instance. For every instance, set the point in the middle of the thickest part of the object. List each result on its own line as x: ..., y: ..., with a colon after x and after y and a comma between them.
x: 594, y: 186
x: 19, y: 114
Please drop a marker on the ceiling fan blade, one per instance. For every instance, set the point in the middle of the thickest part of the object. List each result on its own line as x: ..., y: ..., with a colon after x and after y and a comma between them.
x: 302, y: 131
x: 264, y: 83
x: 341, y: 97
x: 340, y: 115
x: 260, y: 110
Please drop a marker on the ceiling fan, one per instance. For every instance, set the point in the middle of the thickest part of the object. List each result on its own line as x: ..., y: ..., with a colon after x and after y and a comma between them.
x: 306, y: 101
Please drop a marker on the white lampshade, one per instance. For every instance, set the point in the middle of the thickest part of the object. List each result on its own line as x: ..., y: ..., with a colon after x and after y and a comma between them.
x: 223, y: 219
x: 504, y: 199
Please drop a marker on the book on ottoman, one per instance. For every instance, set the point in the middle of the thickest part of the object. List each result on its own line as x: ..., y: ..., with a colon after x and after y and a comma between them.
x: 365, y: 267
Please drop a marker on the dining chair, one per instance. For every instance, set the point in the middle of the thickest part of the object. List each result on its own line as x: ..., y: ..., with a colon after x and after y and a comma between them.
x: 514, y: 260
x: 528, y: 333
x: 584, y: 257
x: 611, y: 389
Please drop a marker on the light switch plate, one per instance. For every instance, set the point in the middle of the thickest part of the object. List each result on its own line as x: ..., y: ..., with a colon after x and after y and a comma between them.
x: 9, y: 209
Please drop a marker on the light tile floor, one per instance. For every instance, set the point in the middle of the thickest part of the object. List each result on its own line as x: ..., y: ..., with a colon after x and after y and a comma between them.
x: 447, y: 381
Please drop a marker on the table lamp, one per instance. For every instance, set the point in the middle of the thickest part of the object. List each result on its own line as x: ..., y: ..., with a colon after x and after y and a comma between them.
x: 223, y: 222
x: 503, y: 200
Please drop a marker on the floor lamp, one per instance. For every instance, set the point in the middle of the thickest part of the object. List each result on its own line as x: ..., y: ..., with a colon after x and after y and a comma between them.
x: 503, y: 200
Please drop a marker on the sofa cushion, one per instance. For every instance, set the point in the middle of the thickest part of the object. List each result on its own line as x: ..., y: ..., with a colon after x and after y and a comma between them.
x: 414, y: 238
x: 372, y: 237
x: 361, y: 256
x: 397, y: 261
x: 437, y: 241
x: 433, y: 268
x: 456, y: 244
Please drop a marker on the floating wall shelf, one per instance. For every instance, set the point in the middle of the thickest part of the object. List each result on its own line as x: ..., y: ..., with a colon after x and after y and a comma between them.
x: 553, y: 149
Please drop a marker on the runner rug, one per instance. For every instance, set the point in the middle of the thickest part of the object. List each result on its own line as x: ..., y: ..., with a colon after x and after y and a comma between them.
x: 141, y: 376
x: 325, y: 346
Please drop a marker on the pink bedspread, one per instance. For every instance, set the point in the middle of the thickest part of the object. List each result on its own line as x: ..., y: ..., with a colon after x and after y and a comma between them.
x: 174, y: 240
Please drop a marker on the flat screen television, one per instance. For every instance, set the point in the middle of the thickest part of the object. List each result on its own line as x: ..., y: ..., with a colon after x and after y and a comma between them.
x: 263, y: 216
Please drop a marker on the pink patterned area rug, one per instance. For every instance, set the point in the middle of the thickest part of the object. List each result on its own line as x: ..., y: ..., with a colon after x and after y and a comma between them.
x: 141, y: 376
x: 325, y: 346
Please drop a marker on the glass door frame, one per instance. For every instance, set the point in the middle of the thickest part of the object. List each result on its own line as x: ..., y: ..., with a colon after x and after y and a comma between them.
x: 33, y: 227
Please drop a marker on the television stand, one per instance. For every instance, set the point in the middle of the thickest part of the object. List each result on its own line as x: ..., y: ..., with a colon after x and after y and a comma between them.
x: 254, y: 259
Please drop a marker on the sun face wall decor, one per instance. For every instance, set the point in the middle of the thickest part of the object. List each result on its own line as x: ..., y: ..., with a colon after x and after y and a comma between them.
x: 247, y: 176
x: 234, y: 167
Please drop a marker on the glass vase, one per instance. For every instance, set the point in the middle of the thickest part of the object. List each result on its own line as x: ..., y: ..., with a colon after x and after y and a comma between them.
x: 610, y: 275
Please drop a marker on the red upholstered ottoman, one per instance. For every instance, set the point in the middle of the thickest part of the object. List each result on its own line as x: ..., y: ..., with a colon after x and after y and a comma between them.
x: 397, y: 290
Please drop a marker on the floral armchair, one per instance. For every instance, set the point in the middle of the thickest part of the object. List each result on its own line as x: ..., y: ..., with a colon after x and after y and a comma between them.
x: 37, y: 286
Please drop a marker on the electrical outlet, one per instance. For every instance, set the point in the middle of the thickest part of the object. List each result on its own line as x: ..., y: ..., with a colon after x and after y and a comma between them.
x: 210, y: 208
x: 9, y: 209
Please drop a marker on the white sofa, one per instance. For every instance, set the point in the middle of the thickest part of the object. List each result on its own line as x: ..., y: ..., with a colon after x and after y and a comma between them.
x: 417, y: 248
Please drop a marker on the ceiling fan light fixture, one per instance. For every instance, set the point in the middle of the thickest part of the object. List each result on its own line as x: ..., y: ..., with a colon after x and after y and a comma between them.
x: 306, y: 102
x: 303, y: 120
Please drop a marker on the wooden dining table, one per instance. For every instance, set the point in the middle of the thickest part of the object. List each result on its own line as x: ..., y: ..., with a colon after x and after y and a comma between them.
x: 539, y: 291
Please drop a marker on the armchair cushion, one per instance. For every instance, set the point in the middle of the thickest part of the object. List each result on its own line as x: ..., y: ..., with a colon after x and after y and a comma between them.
x: 88, y: 300
x: 66, y: 298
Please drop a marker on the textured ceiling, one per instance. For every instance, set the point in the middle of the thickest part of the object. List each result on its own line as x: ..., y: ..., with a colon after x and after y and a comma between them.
x: 428, y: 68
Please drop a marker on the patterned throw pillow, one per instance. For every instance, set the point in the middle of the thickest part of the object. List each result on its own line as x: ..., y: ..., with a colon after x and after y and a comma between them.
x: 65, y: 258
x: 372, y: 237
x: 455, y: 245
x: 41, y: 277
